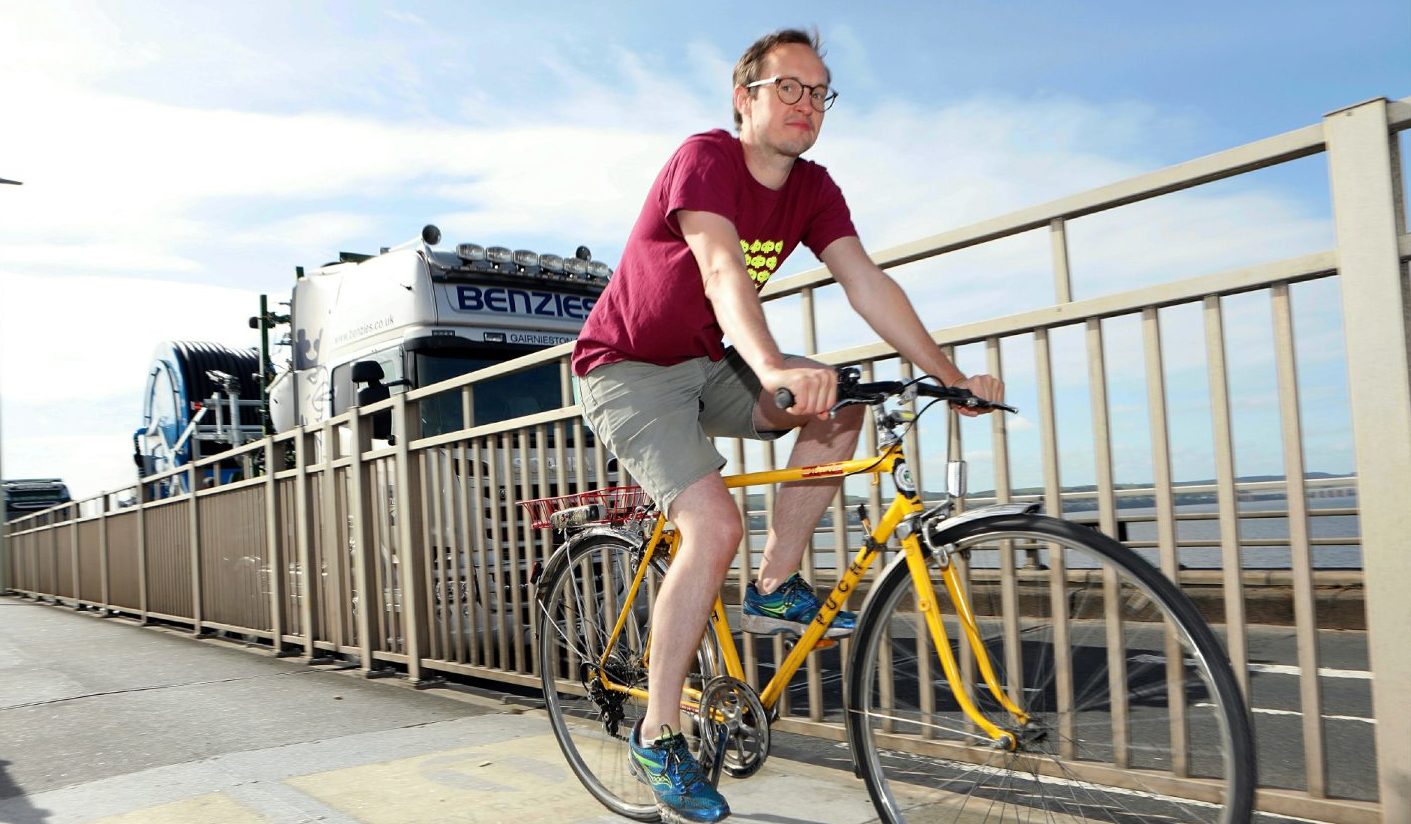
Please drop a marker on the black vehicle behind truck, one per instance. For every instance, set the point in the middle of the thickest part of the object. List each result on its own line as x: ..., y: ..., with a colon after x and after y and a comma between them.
x: 30, y: 495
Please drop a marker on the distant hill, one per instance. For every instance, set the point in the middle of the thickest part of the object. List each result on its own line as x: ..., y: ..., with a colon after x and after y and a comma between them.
x: 1192, y: 497
x: 756, y: 499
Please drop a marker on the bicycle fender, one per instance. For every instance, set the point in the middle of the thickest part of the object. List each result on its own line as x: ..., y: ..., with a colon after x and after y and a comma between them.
x: 990, y: 511
x: 969, y: 516
x: 560, y: 555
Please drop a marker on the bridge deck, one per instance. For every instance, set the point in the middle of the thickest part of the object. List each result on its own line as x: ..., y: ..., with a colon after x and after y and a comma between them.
x: 106, y: 722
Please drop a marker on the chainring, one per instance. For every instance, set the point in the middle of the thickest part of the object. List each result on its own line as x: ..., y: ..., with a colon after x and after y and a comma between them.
x: 734, y: 728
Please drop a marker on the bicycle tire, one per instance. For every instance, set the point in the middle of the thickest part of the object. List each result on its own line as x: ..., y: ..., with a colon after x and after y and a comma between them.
x: 1109, y: 755
x: 592, y: 732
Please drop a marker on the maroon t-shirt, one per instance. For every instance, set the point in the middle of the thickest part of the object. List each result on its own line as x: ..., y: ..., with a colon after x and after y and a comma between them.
x: 655, y: 309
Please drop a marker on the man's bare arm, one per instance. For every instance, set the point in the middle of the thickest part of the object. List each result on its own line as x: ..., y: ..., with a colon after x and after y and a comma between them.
x: 887, y: 309
x: 715, y: 243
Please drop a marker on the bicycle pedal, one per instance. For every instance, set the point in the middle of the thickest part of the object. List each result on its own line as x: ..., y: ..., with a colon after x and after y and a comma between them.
x: 820, y: 644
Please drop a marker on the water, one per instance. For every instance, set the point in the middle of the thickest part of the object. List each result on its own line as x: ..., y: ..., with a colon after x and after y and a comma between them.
x: 1343, y: 530
x: 1263, y: 539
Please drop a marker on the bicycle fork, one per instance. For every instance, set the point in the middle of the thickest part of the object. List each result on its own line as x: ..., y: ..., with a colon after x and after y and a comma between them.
x: 929, y: 606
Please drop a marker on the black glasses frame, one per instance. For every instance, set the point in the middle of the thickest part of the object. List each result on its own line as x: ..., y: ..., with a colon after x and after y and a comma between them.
x: 818, y: 106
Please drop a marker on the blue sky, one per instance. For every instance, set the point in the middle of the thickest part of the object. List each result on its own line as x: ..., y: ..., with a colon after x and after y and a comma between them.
x: 180, y: 159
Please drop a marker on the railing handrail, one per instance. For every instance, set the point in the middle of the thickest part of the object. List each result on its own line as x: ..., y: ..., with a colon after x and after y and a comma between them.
x: 1270, y: 151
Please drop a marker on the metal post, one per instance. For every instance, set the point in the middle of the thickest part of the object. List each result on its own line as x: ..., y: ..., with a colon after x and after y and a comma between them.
x: 73, y: 555
x: 1058, y: 243
x: 104, y: 574
x: 360, y: 509
x: 274, y: 545
x: 334, y: 540
x: 142, y: 549
x: 1374, y: 321
x: 264, y: 375
x: 195, y: 537
x: 265, y: 322
x: 307, y: 573
x: 412, y: 559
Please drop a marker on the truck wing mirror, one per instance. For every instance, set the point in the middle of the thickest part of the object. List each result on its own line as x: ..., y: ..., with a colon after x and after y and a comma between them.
x: 370, y: 373
x: 367, y: 371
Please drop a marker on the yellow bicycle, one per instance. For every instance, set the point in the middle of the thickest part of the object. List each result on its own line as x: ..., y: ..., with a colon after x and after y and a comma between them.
x: 1085, y: 687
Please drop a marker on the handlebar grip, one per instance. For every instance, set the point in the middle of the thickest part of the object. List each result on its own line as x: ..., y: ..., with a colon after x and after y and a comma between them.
x: 783, y: 398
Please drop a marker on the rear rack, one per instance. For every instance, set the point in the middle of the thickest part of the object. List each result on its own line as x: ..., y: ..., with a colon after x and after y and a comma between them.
x: 609, y: 505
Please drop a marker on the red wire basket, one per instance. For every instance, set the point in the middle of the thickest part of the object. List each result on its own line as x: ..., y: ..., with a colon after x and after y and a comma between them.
x: 617, y: 504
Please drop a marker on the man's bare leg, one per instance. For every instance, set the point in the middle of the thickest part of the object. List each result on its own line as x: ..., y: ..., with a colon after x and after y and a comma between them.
x: 799, y: 505
x: 711, y: 530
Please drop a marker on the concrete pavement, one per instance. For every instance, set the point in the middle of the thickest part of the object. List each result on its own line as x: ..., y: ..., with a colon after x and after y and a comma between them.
x: 105, y: 721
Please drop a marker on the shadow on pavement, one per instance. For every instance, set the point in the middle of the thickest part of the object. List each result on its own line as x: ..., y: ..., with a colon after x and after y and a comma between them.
x: 14, y: 806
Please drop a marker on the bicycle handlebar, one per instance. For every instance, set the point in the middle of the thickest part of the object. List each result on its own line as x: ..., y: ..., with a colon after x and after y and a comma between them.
x: 852, y: 391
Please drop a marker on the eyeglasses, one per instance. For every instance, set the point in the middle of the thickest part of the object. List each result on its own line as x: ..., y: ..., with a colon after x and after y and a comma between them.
x: 790, y: 89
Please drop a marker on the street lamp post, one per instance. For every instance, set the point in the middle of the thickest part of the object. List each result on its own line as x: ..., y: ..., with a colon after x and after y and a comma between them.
x: 4, y: 555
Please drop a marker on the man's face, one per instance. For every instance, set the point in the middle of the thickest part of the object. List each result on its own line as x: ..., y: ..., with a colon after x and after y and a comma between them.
x: 789, y: 129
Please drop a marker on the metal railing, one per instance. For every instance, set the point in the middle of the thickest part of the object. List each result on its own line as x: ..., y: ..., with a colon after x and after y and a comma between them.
x: 413, y: 556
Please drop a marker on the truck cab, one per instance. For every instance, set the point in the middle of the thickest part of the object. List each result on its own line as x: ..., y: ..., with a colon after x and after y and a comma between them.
x: 30, y: 495
x: 426, y: 315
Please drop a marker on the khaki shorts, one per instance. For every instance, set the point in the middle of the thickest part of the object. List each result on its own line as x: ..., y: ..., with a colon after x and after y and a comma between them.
x: 658, y: 420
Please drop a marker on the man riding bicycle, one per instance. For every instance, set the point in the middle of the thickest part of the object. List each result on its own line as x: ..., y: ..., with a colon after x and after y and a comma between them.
x: 657, y: 380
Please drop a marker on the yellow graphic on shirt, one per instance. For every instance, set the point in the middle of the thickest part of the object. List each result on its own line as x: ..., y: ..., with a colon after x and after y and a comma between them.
x: 761, y: 259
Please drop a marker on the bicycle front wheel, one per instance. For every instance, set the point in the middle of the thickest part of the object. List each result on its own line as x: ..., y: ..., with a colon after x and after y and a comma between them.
x: 586, y: 590
x: 1133, y: 712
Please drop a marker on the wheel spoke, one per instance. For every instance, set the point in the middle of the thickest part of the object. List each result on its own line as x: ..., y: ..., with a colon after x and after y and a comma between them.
x: 581, y: 599
x: 937, y: 766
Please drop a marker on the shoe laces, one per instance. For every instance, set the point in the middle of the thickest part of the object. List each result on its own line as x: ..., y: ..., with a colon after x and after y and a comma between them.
x: 688, y: 770
x: 796, y: 589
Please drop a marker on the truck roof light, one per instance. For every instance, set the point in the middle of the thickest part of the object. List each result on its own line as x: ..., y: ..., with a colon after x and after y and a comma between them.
x: 551, y: 263
x: 499, y: 254
x: 471, y: 251
x: 575, y: 267
x: 526, y: 258
x: 599, y: 270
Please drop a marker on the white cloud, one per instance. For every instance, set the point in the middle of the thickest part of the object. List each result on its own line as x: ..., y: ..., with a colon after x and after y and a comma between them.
x: 89, y: 463
x: 58, y: 40
x: 101, y: 331
x: 406, y: 17
x: 74, y: 361
x: 143, y: 220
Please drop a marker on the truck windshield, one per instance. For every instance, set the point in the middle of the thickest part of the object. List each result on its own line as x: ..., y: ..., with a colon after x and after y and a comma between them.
x: 34, y: 497
x: 498, y: 399
x: 21, y: 499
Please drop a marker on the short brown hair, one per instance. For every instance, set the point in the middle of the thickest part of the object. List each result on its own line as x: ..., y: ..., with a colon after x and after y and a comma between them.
x: 750, y: 64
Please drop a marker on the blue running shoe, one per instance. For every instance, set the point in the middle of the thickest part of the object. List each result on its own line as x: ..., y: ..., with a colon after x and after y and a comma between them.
x: 789, y: 608
x: 676, y: 778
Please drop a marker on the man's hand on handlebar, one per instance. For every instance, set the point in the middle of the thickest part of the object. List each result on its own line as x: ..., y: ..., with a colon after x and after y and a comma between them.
x: 973, y: 396
x: 814, y: 388
x: 982, y: 386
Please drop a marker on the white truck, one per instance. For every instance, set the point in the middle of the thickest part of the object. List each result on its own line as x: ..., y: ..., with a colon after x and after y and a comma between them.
x: 412, y: 316
x: 424, y: 315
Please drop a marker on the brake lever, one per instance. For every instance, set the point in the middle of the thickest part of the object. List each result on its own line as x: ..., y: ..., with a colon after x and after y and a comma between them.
x: 833, y: 411
x: 977, y: 402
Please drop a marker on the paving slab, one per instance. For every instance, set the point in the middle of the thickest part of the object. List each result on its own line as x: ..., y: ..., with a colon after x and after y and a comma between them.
x: 105, y: 721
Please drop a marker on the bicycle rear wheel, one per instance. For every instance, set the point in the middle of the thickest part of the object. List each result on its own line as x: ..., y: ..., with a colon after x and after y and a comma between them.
x: 586, y: 588
x: 1135, y: 714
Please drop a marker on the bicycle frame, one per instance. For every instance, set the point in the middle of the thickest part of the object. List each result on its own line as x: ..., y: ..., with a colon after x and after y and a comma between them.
x: 906, y: 506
